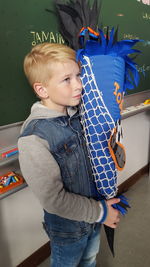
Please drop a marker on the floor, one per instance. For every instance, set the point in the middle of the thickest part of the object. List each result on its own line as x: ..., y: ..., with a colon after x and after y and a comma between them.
x: 132, y: 237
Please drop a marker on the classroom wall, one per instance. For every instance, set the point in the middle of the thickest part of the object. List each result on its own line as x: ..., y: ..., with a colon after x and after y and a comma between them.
x: 136, y: 131
x: 21, y: 227
x: 21, y: 214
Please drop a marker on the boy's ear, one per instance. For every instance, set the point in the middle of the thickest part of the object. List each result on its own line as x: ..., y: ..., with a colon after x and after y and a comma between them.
x: 40, y: 90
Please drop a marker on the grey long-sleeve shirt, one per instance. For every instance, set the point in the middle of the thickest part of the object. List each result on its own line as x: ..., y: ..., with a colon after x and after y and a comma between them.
x: 42, y: 174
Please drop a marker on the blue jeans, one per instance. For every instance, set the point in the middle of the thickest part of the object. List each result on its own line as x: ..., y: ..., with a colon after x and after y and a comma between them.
x: 76, y: 252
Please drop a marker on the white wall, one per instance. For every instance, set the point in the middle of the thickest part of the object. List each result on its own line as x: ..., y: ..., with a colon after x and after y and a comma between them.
x: 21, y: 214
x: 20, y: 227
x: 136, y: 132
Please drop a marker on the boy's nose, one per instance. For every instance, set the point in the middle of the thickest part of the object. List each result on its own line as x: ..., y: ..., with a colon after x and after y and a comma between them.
x: 78, y: 85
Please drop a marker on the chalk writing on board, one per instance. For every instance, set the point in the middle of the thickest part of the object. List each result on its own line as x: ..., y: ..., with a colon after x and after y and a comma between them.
x: 120, y: 15
x: 146, y: 16
x: 40, y: 37
x: 146, y: 43
x: 145, y: 2
x: 143, y: 68
x: 125, y: 35
x: 130, y: 36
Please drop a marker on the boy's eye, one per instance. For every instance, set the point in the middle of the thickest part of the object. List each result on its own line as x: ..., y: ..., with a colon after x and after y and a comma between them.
x: 79, y: 74
x: 67, y: 79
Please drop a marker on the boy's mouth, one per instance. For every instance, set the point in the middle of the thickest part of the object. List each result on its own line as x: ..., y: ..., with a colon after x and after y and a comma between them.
x: 77, y: 96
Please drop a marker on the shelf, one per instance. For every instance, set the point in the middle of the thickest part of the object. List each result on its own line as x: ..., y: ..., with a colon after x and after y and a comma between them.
x: 8, y: 141
x: 13, y: 190
x: 133, y: 110
x: 6, y: 161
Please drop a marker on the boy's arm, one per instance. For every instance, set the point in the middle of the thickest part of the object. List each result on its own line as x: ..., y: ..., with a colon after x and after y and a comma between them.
x: 42, y: 174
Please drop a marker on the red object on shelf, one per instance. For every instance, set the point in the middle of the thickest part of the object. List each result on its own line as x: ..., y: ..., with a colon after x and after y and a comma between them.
x: 8, y: 152
x: 4, y: 189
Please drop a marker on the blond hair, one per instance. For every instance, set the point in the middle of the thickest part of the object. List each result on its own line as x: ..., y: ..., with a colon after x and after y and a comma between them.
x: 38, y: 64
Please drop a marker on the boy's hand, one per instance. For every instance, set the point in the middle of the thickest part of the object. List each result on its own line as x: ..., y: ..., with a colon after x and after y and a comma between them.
x: 113, y: 215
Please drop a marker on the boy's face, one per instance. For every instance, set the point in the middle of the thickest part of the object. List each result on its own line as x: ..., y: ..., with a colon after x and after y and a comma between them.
x: 64, y: 87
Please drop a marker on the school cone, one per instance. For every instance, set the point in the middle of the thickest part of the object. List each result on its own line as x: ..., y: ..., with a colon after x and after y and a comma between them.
x: 122, y: 207
x: 107, y: 71
x: 110, y: 237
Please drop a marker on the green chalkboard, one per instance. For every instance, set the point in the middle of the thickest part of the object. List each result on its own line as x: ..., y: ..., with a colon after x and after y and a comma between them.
x: 25, y: 23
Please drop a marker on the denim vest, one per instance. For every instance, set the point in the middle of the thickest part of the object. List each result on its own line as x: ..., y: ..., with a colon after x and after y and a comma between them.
x: 68, y: 147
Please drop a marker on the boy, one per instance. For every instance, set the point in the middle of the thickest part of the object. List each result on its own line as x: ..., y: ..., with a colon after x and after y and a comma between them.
x: 54, y: 160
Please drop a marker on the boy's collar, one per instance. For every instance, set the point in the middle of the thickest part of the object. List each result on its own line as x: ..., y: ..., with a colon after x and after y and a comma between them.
x: 71, y: 111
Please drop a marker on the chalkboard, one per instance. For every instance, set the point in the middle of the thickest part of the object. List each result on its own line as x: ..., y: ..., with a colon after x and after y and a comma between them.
x: 25, y: 23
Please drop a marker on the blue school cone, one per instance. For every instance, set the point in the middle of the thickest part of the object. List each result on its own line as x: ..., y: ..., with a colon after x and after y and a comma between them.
x: 107, y: 71
x: 105, y: 65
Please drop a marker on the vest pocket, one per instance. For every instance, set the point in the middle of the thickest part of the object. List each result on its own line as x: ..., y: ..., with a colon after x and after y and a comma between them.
x: 67, y: 156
